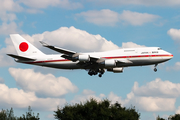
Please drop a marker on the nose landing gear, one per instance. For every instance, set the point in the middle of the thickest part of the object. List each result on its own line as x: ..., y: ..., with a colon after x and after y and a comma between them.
x: 155, y: 69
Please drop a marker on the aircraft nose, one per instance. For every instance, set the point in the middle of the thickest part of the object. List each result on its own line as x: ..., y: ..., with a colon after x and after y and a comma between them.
x: 169, y: 56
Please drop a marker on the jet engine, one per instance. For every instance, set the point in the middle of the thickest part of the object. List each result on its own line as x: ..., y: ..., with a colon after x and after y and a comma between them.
x: 116, y: 70
x: 84, y: 58
x: 110, y: 63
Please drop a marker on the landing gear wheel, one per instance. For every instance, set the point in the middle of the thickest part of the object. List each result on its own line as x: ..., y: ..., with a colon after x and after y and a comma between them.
x: 96, y: 71
x: 155, y: 69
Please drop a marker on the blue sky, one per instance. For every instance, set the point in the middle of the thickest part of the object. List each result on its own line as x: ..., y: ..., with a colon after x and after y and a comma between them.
x: 91, y: 25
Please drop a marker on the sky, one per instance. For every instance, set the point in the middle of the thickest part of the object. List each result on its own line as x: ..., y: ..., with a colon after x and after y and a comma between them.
x: 89, y: 26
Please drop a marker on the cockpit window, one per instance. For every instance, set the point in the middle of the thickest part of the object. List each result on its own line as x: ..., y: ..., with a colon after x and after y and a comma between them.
x: 159, y: 49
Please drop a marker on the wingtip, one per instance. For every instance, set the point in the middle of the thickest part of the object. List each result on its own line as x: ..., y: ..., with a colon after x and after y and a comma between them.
x: 43, y: 43
x: 8, y: 54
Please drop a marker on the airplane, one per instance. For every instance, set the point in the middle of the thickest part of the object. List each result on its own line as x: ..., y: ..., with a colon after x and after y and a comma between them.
x: 94, y: 62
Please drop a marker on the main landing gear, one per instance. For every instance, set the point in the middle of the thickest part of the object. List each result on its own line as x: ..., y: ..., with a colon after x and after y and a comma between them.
x: 155, y: 69
x: 101, y: 72
x: 95, y: 72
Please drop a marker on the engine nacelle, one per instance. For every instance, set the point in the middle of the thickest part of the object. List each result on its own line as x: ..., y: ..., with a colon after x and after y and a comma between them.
x: 84, y: 58
x: 116, y: 70
x: 110, y: 63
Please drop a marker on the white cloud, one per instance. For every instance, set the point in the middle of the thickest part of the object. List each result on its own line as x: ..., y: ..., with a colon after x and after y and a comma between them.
x: 175, y: 34
x: 74, y: 39
x: 131, y: 45
x: 1, y: 80
x: 43, y: 85
x: 114, y: 98
x: 107, y: 17
x: 33, y: 6
x: 158, y: 88
x: 70, y: 5
x: 12, y: 97
x: 5, y: 17
x: 152, y: 103
x: 135, y: 18
x: 38, y: 4
x: 153, y: 96
x: 178, y: 110
x: 8, y: 17
x: 176, y: 67
x: 34, y: 11
x: 11, y: 28
x: 10, y: 5
x: 86, y: 95
x: 143, y: 103
x: 4, y: 59
x: 137, y: 2
x: 102, y: 17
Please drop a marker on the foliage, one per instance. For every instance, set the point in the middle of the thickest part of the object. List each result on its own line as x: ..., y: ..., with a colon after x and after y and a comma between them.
x: 9, y: 115
x: 93, y: 110
x: 29, y: 115
x: 174, y: 117
x: 171, y: 117
x: 3, y: 115
x: 158, y: 118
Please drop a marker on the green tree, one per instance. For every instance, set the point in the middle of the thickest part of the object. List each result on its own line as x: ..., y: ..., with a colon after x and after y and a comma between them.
x: 93, y: 110
x: 3, y: 115
x: 9, y: 115
x: 174, y: 117
x: 158, y: 118
x: 29, y: 115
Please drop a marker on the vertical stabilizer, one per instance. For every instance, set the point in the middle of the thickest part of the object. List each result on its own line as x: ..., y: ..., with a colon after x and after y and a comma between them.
x: 23, y: 47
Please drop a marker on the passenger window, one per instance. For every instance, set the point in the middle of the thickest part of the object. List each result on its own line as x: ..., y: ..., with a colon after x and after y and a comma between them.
x: 154, y: 51
x: 144, y: 53
x: 129, y: 50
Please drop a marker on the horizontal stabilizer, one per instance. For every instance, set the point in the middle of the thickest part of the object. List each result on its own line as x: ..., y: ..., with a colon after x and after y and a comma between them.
x: 21, y: 58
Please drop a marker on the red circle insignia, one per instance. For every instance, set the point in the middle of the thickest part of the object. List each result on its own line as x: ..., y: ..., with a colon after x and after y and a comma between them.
x: 23, y: 46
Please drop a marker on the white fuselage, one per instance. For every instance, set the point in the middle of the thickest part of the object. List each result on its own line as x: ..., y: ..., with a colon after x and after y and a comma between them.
x: 138, y: 57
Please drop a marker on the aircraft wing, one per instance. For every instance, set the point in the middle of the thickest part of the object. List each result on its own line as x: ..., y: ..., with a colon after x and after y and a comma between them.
x: 68, y: 54
x: 57, y: 49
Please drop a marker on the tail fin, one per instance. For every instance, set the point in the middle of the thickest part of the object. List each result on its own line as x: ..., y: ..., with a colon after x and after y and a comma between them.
x: 23, y: 47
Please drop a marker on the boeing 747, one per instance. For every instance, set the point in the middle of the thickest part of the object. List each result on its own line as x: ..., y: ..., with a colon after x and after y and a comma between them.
x: 94, y: 62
